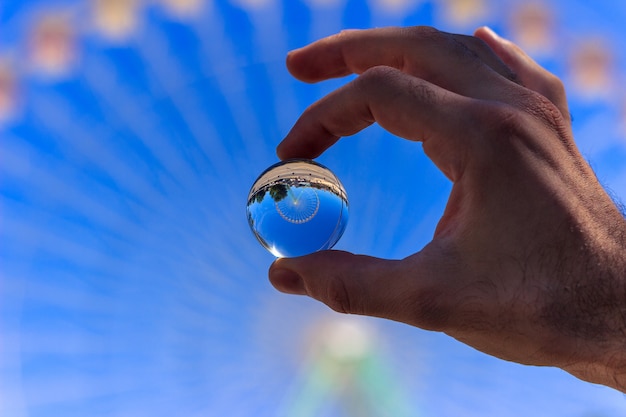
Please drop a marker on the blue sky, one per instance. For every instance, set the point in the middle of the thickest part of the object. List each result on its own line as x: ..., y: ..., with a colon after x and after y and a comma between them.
x: 130, y: 283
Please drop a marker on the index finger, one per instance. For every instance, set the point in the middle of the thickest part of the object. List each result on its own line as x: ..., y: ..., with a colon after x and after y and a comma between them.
x: 406, y: 106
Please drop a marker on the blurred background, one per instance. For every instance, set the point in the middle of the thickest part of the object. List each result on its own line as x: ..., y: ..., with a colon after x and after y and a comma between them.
x: 130, y: 283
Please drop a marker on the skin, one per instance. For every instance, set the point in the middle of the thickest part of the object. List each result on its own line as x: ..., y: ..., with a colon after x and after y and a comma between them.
x: 528, y: 261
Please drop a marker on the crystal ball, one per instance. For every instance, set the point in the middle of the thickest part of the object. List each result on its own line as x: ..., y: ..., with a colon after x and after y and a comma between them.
x: 297, y: 207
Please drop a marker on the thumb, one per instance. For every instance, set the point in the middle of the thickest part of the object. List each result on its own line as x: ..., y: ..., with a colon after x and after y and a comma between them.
x: 401, y: 290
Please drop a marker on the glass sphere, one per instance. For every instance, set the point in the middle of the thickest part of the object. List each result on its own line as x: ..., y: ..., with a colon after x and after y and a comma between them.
x: 297, y: 207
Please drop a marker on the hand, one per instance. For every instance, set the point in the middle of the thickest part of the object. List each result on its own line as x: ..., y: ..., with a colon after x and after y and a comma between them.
x: 528, y: 262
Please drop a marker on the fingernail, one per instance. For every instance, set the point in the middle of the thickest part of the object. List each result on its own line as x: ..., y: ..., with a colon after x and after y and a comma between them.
x: 287, y: 281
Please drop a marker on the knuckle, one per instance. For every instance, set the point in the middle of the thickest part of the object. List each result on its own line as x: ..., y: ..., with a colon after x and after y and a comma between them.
x: 345, y: 34
x: 554, y: 83
x: 376, y: 79
x: 519, y: 127
x: 547, y: 112
x: 550, y: 86
x: 477, y: 45
x: 503, y: 119
x: 512, y: 118
x: 378, y: 74
x: 503, y: 136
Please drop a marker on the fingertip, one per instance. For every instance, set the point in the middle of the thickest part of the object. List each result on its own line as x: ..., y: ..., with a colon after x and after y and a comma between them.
x: 508, y: 52
x: 318, y: 61
x: 292, y: 148
x: 291, y: 61
x: 280, y: 151
x: 301, y: 65
x: 491, y: 38
x: 286, y: 280
x: 288, y: 275
x: 486, y: 31
x: 306, y: 139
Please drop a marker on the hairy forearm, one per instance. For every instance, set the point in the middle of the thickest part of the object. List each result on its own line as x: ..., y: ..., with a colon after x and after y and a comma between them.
x: 599, y: 321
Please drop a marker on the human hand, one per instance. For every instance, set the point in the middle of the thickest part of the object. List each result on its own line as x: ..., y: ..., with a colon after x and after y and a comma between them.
x: 528, y: 261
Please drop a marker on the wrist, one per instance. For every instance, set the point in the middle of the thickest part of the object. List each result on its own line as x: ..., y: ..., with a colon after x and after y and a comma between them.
x: 606, y: 363
x: 611, y: 371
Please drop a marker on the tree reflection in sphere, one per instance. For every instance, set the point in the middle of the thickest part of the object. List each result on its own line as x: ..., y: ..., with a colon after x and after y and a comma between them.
x: 297, y: 207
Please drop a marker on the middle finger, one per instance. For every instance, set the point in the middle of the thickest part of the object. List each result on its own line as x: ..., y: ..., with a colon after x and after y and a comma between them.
x: 462, y: 64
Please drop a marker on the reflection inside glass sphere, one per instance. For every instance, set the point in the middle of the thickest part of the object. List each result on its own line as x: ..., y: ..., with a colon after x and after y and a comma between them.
x: 297, y: 207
